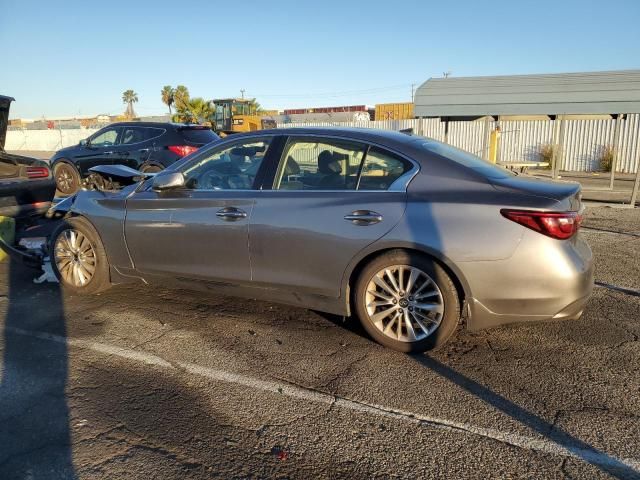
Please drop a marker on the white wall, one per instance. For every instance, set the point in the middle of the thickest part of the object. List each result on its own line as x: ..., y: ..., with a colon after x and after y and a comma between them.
x: 46, y: 140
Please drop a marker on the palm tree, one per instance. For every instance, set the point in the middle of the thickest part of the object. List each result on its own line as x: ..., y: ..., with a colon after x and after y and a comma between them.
x: 181, y: 97
x: 195, y: 110
x: 129, y: 97
x: 167, y: 93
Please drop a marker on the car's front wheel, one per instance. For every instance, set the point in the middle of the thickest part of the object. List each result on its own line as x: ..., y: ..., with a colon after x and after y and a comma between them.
x: 78, y: 257
x: 407, y: 302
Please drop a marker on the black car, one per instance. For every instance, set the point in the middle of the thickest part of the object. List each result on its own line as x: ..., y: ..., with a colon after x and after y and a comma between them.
x: 144, y: 146
x: 26, y: 184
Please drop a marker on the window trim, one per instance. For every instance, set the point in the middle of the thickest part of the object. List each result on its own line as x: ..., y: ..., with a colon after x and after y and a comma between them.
x: 399, y: 185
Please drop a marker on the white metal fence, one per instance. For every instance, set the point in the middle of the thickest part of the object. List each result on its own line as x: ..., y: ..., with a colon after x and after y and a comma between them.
x: 583, y: 142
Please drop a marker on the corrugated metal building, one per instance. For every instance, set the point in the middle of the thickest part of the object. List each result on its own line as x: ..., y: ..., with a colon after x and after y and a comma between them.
x: 554, y: 94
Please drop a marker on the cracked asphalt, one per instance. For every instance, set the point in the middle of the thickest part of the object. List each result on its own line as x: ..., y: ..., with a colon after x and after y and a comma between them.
x: 140, y: 383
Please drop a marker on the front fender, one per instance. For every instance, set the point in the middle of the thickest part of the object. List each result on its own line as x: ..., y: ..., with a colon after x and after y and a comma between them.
x: 106, y: 212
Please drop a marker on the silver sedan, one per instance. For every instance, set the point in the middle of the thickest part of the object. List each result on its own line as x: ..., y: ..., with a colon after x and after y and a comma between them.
x: 410, y: 235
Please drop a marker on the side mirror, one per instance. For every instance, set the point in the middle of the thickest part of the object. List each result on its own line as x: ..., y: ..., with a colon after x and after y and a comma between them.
x: 83, y: 142
x: 168, y: 181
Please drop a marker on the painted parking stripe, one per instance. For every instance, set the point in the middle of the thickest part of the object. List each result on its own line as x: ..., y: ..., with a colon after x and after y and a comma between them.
x: 308, y: 394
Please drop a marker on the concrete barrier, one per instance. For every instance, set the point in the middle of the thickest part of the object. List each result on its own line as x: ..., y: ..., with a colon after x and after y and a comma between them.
x: 47, y: 140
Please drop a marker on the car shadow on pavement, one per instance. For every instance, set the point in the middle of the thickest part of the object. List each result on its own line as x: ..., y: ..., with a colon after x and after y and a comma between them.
x: 35, y: 439
x: 578, y: 448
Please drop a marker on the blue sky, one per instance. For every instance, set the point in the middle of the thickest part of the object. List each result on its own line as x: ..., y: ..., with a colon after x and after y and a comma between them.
x: 65, y: 58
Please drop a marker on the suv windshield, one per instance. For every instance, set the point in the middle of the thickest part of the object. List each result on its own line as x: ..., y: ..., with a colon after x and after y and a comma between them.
x: 467, y: 159
x: 198, y: 135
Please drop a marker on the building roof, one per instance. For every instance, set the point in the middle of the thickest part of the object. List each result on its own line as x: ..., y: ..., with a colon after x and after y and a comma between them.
x: 549, y: 94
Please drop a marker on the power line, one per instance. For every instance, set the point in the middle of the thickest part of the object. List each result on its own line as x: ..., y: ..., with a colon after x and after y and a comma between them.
x: 334, y: 94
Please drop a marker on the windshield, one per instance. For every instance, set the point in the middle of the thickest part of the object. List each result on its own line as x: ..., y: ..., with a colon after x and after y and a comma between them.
x: 467, y: 159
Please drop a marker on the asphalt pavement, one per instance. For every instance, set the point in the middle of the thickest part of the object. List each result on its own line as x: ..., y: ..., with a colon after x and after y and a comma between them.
x: 142, y: 383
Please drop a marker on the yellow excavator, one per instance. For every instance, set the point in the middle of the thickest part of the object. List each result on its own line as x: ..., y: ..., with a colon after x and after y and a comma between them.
x: 234, y: 115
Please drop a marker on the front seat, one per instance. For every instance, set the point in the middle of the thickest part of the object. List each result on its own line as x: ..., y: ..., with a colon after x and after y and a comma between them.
x: 330, y: 167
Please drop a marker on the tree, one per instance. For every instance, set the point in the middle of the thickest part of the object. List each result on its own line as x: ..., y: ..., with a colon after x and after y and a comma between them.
x: 129, y: 97
x: 195, y: 110
x: 256, y: 107
x: 168, y: 93
x: 181, y: 97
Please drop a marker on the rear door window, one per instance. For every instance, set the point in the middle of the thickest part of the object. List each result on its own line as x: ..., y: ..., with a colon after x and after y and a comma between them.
x: 132, y: 135
x: 322, y: 164
x: 381, y: 169
x: 199, y: 136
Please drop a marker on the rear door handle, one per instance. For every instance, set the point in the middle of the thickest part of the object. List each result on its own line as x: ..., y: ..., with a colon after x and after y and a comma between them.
x: 363, y: 217
x: 231, y: 213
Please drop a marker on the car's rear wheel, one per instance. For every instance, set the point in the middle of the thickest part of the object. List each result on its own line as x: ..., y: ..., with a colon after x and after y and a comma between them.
x: 78, y: 257
x: 407, y: 302
x: 67, y: 178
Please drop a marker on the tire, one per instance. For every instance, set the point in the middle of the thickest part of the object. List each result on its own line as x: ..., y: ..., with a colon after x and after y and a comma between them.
x: 151, y: 169
x: 432, y: 315
x: 88, y: 252
x: 67, y: 178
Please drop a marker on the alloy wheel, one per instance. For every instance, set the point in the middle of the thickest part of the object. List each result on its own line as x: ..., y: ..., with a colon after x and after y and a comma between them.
x: 75, y: 257
x: 404, y: 303
x: 64, y: 180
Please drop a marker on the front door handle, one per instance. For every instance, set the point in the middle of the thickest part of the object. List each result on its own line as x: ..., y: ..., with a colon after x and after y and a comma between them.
x: 231, y: 213
x: 363, y: 217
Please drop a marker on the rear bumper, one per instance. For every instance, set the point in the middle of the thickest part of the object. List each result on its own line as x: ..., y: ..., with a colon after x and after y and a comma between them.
x: 545, y: 279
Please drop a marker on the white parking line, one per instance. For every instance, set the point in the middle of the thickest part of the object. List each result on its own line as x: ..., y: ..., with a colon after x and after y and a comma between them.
x: 307, y: 394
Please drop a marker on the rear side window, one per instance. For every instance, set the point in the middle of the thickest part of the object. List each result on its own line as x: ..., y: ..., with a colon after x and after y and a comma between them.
x: 319, y: 165
x: 198, y: 135
x: 467, y: 159
x: 381, y: 169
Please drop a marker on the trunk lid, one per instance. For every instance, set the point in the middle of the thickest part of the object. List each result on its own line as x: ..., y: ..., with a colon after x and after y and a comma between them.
x: 567, y: 194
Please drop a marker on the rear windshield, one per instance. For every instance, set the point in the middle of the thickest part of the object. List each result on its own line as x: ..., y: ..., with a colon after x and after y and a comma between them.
x: 467, y: 159
x: 198, y: 135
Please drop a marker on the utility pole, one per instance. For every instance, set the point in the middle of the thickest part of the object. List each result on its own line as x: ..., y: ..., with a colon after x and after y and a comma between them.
x: 242, y: 92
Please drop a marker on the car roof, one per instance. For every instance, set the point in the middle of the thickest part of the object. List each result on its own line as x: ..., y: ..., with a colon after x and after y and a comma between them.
x: 372, y: 135
x: 156, y: 124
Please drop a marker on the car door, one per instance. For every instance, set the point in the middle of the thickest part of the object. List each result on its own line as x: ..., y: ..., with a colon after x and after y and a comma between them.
x: 136, y: 144
x: 326, y: 205
x: 98, y: 150
x: 200, y: 232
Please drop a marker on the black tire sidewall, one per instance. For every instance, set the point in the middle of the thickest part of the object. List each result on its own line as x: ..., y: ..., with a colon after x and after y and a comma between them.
x: 100, y: 279
x: 450, y: 319
x: 74, y: 175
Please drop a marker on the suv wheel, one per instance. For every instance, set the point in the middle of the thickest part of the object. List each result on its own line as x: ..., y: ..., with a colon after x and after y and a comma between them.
x: 67, y: 178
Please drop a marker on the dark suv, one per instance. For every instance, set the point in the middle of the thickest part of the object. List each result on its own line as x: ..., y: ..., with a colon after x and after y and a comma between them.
x: 145, y: 146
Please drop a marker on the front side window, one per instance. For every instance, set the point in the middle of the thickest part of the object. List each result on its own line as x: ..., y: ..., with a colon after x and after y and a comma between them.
x: 105, y: 138
x: 319, y: 165
x: 232, y: 167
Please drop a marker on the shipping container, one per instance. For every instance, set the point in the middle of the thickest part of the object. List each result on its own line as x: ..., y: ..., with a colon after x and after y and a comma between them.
x: 346, y: 108
x: 394, y: 111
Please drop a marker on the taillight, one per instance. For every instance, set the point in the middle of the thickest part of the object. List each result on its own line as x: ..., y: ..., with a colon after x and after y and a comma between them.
x: 182, y: 150
x: 560, y: 225
x: 37, y: 172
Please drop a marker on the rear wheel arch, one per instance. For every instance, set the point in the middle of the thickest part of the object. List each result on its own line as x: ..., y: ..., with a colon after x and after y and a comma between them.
x: 462, y: 287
